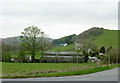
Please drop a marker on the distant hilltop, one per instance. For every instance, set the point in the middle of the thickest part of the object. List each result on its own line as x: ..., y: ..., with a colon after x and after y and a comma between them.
x: 15, y: 40
x: 96, y: 37
x: 99, y: 36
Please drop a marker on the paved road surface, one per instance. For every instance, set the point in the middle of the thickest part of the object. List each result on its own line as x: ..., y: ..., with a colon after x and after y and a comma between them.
x: 108, y: 75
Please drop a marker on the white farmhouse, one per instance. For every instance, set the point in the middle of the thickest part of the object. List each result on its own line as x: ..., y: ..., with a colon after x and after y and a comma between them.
x: 64, y: 44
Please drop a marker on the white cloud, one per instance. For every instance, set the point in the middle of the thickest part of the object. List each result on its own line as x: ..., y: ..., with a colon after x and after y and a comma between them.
x: 57, y: 18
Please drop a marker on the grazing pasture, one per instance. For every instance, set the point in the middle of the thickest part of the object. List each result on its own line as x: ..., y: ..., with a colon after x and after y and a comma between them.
x: 16, y: 69
x: 27, y: 70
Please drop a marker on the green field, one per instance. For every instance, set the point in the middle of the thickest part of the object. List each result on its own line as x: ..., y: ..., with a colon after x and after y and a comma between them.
x: 16, y: 69
x: 107, y: 38
x: 21, y: 70
x: 63, y: 48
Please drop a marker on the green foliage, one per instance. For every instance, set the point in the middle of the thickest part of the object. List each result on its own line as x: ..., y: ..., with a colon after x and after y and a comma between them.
x: 21, y: 56
x: 6, y: 56
x: 111, y: 56
x: 63, y: 40
x: 118, y: 55
x: 33, y: 40
x: 79, y: 51
x: 99, y: 57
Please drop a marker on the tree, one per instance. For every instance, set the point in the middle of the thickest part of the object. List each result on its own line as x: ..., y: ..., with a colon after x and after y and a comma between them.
x: 6, y: 56
x: 111, y: 56
x: 33, y: 40
x: 21, y: 55
x: 102, y: 50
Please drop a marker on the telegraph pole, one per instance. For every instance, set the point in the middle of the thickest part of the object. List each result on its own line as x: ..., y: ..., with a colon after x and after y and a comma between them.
x: 77, y: 62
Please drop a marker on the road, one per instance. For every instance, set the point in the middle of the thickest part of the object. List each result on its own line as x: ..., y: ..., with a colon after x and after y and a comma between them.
x: 108, y: 75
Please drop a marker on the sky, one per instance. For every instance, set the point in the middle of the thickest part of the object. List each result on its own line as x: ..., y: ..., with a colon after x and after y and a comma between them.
x: 57, y: 18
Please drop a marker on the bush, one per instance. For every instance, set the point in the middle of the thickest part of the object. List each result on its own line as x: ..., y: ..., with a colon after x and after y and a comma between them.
x: 118, y: 55
x: 6, y: 56
x: 111, y: 56
x: 21, y: 56
x: 99, y: 57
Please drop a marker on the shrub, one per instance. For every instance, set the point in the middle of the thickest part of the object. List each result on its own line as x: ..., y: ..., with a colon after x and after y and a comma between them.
x: 21, y: 56
x: 98, y: 56
x: 6, y: 56
x: 111, y: 56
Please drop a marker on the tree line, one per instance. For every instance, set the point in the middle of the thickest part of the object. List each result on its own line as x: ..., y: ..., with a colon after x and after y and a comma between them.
x: 31, y: 41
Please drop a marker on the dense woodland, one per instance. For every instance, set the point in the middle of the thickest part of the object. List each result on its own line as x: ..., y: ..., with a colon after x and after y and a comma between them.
x: 63, y: 40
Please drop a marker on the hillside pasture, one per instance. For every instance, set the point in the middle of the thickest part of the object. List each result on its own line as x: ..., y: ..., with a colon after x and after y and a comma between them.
x: 107, y: 38
x: 68, y: 48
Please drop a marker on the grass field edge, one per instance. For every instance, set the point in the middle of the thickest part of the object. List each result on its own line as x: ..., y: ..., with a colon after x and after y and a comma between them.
x: 72, y: 73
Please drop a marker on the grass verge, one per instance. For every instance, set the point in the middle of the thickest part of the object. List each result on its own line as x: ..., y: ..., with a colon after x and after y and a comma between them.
x: 70, y: 73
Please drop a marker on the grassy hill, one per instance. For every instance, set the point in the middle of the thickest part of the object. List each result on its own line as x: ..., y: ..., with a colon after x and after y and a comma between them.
x: 99, y: 36
x: 63, y: 48
x: 95, y: 31
x: 107, y: 38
